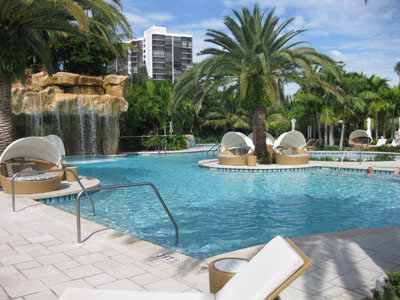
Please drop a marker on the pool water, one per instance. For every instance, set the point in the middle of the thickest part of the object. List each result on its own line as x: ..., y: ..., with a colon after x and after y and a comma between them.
x: 220, y: 211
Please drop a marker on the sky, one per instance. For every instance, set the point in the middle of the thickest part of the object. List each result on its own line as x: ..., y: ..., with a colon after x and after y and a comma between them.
x: 365, y: 37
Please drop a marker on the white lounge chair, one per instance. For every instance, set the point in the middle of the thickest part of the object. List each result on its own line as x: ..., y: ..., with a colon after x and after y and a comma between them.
x: 278, y: 264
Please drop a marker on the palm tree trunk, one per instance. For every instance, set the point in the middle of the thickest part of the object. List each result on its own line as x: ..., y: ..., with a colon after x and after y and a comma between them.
x: 376, y: 125
x: 318, y: 128
x: 5, y: 112
x: 259, y: 137
x: 325, y: 135
x: 342, y: 135
x: 392, y: 132
x: 331, y: 135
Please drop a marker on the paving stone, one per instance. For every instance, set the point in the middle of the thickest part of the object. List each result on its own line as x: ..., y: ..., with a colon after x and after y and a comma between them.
x: 145, y: 278
x: 76, y: 252
x: 167, y: 285
x: 41, y: 238
x: 8, y: 252
x: 46, y: 295
x: 15, y: 259
x: 65, y: 265
x: 52, y: 258
x: 27, y: 265
x: 24, y: 288
x: 91, y: 258
x: 80, y: 283
x: 7, y: 271
x: 3, y: 295
x: 40, y: 272
x: 125, y: 271
x: 99, y: 279
x: 55, y: 279
x: 107, y: 264
x: 11, y: 279
x: 123, y: 284
x: 82, y: 271
x: 4, y: 247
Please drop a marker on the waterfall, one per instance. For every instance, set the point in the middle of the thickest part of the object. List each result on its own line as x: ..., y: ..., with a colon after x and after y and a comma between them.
x: 81, y: 125
x: 92, y: 129
x: 36, y: 117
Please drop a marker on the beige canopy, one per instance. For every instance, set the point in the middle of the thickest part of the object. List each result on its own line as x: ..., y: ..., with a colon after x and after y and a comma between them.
x: 356, y: 134
x: 234, y: 139
x: 32, y: 147
x: 292, y: 138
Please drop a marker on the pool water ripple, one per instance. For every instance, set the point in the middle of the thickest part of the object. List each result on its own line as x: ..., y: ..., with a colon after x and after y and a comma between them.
x: 223, y: 211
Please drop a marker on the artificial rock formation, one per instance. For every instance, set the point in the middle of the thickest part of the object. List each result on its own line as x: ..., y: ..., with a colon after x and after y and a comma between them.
x: 68, y: 93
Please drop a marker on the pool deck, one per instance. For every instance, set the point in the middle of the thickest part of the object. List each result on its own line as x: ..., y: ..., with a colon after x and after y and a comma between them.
x: 39, y: 256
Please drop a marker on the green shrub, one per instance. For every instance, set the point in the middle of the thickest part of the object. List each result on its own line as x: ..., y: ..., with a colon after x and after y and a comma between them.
x: 264, y: 160
x: 177, y: 142
x: 383, y: 157
x: 392, y: 289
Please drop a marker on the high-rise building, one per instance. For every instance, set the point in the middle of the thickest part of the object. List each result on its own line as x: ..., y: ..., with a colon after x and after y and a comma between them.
x: 166, y: 55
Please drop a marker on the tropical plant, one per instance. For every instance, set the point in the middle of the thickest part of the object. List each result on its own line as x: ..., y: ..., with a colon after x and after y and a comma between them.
x: 397, y: 69
x: 28, y: 25
x: 253, y: 59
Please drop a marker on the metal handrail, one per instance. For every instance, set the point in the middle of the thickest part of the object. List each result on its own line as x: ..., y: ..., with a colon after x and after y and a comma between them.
x: 110, y: 187
x: 46, y: 171
x: 216, y: 146
x: 341, y: 161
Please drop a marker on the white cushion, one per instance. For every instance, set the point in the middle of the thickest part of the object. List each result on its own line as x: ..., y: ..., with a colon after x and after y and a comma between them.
x: 268, y: 270
x: 287, y: 151
x: 93, y: 294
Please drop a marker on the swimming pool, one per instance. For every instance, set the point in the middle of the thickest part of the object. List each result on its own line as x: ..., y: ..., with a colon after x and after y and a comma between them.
x: 220, y: 211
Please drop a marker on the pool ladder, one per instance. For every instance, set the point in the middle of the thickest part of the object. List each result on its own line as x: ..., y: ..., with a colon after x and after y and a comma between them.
x: 110, y: 187
x: 213, y: 149
x: 341, y: 161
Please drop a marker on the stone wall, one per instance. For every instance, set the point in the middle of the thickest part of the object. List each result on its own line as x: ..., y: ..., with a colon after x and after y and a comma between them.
x: 76, y: 95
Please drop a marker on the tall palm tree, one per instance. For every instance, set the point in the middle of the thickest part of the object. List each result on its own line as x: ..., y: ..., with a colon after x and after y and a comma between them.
x: 397, y: 69
x: 254, y: 58
x: 27, y: 25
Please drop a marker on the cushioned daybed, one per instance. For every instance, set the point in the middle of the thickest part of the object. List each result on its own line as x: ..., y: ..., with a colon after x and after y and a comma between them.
x: 235, y: 147
x: 360, y: 139
x: 30, y: 154
x: 289, y: 149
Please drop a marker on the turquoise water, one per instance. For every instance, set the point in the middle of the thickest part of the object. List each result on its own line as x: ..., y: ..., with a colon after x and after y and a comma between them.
x: 223, y: 211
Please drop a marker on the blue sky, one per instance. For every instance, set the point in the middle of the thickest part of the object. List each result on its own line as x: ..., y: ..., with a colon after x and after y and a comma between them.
x: 365, y: 37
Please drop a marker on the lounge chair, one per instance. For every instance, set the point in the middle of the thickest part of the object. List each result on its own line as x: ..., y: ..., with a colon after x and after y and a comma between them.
x: 273, y: 269
x: 381, y: 142
x: 311, y: 144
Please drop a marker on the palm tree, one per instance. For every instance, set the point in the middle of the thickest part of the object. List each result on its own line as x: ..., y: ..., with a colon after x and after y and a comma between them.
x: 254, y: 58
x: 373, y: 94
x: 397, y: 69
x: 29, y: 25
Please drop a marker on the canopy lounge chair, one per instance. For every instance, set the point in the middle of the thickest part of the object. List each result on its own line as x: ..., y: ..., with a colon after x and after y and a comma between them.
x: 289, y: 149
x: 273, y: 269
x: 360, y: 139
x: 396, y: 140
x: 29, y: 154
x: 235, y: 147
x: 381, y: 142
x: 269, y: 140
x: 311, y: 144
